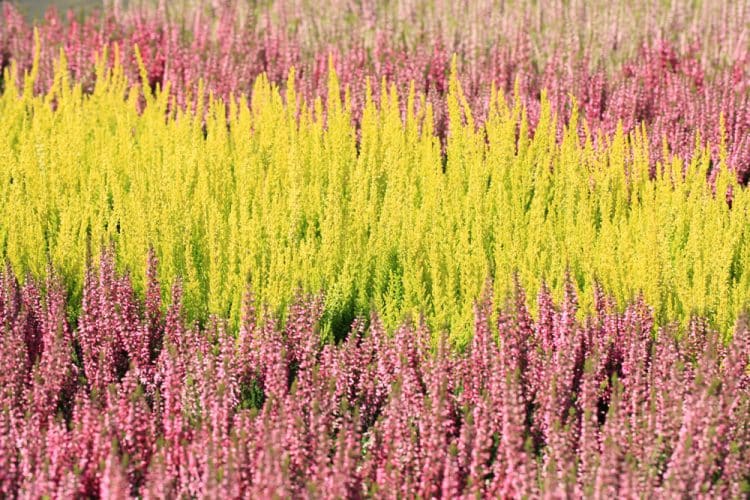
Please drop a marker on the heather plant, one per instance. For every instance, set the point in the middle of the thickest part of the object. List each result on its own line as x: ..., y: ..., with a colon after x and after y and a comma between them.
x: 290, y: 194
x: 135, y: 401
x: 475, y: 255
x: 609, y: 30
x: 677, y: 85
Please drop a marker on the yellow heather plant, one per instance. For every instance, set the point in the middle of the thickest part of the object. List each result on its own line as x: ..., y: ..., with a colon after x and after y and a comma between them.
x: 283, y: 195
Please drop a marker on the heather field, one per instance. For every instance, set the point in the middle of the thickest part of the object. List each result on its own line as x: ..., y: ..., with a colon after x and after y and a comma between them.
x: 407, y: 249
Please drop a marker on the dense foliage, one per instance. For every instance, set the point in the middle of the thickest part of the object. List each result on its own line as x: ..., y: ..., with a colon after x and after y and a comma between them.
x: 286, y: 193
x: 678, y: 67
x: 493, y: 249
x: 134, y: 402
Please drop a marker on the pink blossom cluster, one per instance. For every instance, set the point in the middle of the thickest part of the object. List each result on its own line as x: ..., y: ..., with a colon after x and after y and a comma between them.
x: 132, y: 401
x: 676, y: 91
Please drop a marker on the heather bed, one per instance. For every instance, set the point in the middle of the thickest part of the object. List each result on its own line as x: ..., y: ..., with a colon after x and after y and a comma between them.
x: 373, y: 269
x: 134, y: 401
x: 287, y: 194
x: 679, y: 68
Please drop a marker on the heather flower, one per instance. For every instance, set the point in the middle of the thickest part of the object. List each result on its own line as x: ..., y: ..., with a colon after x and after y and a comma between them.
x: 555, y: 406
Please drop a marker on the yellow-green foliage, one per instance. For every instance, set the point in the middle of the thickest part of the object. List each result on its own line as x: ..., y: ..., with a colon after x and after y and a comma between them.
x: 285, y: 197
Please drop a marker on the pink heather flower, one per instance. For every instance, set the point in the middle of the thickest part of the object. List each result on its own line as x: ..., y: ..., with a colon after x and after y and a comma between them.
x: 677, y: 90
x: 553, y: 406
